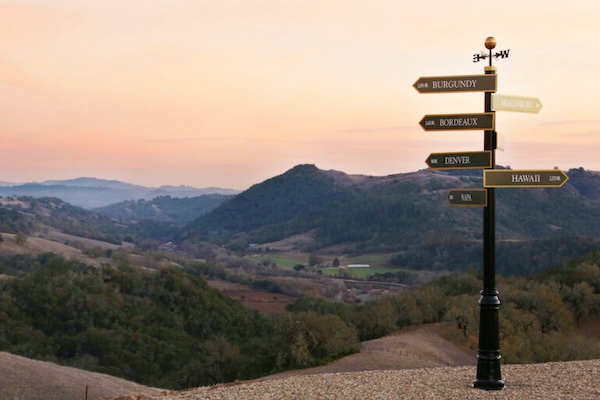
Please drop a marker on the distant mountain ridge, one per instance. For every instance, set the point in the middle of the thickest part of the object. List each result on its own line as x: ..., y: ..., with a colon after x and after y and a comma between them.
x: 408, y: 214
x: 179, y: 211
x: 93, y: 192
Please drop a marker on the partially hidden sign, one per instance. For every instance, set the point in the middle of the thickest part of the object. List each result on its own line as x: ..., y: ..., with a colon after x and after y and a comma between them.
x: 502, y: 102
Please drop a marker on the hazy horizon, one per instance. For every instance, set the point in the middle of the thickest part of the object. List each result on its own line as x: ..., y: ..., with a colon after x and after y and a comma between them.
x: 4, y: 183
x: 231, y: 93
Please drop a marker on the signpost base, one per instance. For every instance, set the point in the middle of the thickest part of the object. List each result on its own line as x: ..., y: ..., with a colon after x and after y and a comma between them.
x: 489, y: 384
x: 489, y: 376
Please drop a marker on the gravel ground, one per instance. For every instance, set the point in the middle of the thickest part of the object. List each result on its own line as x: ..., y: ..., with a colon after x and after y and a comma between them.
x: 562, y: 380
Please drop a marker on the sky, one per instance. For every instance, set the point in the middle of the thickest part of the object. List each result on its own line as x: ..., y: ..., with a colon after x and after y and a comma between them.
x: 229, y: 93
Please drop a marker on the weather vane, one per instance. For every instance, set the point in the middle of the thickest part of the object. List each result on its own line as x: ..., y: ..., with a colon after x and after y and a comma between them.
x: 490, y: 43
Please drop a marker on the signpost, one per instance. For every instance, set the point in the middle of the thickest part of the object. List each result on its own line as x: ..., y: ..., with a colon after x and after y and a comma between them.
x: 461, y: 83
x: 468, y: 197
x: 508, y: 178
x: 462, y: 160
x: 454, y: 122
x: 489, y: 376
x: 501, y: 102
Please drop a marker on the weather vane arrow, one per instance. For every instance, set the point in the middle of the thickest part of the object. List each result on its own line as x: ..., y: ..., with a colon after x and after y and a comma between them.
x: 484, y: 55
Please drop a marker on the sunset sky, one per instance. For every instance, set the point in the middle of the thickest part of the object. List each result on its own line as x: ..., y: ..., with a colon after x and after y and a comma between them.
x: 229, y: 93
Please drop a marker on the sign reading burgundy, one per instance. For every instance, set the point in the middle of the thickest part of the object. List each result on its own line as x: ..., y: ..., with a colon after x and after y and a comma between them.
x: 461, y: 83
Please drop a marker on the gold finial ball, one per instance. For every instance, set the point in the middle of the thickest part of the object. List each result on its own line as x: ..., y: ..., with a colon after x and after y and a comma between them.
x: 490, y: 42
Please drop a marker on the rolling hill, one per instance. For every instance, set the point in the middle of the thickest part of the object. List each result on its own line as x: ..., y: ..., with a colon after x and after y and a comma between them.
x: 165, y: 209
x: 22, y: 378
x: 38, y: 380
x: 92, y: 192
x: 406, y: 216
x: 409, y: 215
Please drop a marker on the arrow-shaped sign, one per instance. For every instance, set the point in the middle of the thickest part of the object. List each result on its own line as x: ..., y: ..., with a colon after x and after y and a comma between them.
x: 461, y: 83
x: 508, y: 178
x: 468, y: 197
x: 444, y: 122
x: 462, y: 160
x: 501, y: 102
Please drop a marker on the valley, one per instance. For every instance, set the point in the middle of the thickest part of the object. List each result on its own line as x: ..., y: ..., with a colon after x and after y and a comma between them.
x: 303, y: 269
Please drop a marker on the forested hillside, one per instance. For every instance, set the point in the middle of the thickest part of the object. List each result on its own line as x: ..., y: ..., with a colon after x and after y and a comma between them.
x: 29, y: 215
x: 36, y: 216
x: 178, y: 211
x: 275, y: 208
x: 410, y: 215
x: 406, y: 216
x: 166, y: 328
x: 391, y: 210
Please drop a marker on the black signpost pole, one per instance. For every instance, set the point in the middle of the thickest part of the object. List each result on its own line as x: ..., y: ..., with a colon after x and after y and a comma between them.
x: 489, y: 376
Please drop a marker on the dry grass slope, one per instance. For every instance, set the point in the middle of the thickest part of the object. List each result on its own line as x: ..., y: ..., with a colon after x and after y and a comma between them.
x: 25, y: 379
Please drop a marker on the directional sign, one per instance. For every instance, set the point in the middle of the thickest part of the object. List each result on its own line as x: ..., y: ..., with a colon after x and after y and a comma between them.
x: 468, y: 197
x: 508, y: 178
x: 461, y: 83
x: 501, y: 102
x: 463, y: 160
x: 445, y: 122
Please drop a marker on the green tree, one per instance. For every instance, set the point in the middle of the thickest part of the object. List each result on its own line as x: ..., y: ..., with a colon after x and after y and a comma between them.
x: 20, y: 238
x: 314, y: 339
x: 377, y: 319
x: 581, y: 299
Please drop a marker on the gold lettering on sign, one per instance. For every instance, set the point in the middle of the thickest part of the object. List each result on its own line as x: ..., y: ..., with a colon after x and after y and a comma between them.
x: 522, y: 178
x: 458, y: 121
x: 455, y: 84
x: 458, y: 160
x: 466, y: 197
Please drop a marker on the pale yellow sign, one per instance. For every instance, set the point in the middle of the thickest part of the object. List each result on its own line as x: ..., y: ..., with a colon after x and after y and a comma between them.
x: 502, y: 102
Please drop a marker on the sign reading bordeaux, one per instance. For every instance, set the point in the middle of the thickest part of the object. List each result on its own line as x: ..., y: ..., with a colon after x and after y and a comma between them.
x: 461, y: 83
x: 508, y: 178
x: 445, y: 122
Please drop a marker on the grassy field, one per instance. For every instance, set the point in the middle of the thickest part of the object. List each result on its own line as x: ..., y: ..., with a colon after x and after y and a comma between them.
x: 360, y: 273
x: 379, y: 263
x: 283, y: 261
